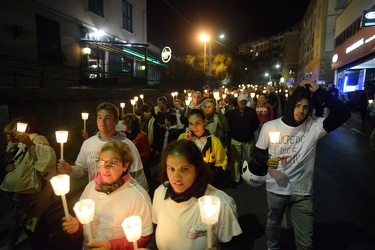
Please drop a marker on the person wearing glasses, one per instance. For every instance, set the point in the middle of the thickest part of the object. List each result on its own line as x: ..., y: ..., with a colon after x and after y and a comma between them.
x: 107, y: 117
x: 117, y: 196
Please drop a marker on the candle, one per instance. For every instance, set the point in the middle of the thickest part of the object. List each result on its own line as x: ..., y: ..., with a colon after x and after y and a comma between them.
x: 122, y: 105
x: 84, y: 210
x: 132, y: 227
x: 209, y: 207
x: 61, y: 186
x: 85, y: 116
x: 274, y: 138
x: 61, y: 137
x: 370, y: 101
x: 21, y: 127
x: 216, y: 96
x: 132, y: 101
x: 141, y: 96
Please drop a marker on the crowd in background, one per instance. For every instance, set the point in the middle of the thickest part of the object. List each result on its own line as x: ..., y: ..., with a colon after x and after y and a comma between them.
x: 223, y: 124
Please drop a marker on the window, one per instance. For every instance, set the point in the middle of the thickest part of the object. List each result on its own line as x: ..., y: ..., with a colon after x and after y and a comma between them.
x: 341, y: 4
x: 96, y: 7
x: 127, y: 22
x: 49, y: 43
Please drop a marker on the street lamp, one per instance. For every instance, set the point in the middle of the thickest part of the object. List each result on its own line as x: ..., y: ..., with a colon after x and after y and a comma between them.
x: 204, y: 38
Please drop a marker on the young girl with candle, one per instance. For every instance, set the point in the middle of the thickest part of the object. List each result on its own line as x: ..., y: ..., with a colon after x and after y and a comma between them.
x: 210, y: 146
x: 117, y: 196
x: 175, y: 208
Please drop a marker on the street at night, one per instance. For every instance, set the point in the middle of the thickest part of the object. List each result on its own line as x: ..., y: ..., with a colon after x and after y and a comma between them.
x: 344, y: 198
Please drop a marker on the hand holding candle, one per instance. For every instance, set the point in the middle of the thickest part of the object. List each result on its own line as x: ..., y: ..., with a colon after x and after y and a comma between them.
x: 61, y: 186
x: 84, y: 210
x: 209, y: 207
x: 274, y: 139
x: 133, y: 229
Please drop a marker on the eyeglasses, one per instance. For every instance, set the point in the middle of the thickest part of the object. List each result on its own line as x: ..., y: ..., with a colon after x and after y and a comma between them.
x: 109, y: 164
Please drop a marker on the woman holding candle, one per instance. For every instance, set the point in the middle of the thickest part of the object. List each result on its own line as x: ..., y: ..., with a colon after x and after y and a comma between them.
x: 210, y: 146
x: 175, y: 205
x: 27, y: 183
x: 291, y: 161
x: 107, y: 117
x: 117, y: 196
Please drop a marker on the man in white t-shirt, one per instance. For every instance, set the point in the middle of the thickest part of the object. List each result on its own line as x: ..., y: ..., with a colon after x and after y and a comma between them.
x: 291, y: 160
x: 107, y: 117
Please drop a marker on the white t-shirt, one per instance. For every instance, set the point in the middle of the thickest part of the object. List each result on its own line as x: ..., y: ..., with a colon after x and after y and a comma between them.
x: 111, y: 210
x: 296, y: 150
x: 88, y: 155
x: 179, y: 225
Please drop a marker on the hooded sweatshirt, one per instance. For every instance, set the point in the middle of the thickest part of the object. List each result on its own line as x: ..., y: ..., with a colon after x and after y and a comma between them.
x: 296, y: 146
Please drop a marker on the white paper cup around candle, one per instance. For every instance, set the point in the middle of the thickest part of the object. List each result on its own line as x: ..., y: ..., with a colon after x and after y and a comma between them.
x: 132, y: 227
x: 84, y: 210
x: 21, y: 127
x: 209, y: 207
x: 61, y: 186
x: 132, y: 101
x: 274, y: 139
x: 85, y: 116
x: 61, y: 137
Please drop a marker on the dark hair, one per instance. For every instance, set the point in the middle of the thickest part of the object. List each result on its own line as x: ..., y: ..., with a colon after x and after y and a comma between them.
x: 131, y: 121
x: 263, y: 94
x: 172, y: 118
x: 197, y: 112
x: 146, y: 108
x: 162, y: 99
x: 32, y: 125
x: 192, y: 154
x: 110, y: 107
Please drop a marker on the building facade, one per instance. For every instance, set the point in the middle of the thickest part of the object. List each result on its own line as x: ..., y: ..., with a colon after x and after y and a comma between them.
x: 68, y: 43
x: 317, y: 40
x: 354, y: 53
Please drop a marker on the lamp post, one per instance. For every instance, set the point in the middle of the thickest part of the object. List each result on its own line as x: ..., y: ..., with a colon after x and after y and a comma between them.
x: 204, y: 38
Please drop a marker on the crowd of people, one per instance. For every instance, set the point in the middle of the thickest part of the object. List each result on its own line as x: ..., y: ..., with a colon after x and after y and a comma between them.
x: 199, y: 143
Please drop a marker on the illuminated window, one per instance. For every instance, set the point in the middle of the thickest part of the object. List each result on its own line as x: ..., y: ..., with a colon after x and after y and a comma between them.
x: 127, y: 22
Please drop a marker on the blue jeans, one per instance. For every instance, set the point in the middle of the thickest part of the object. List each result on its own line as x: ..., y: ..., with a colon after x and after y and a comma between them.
x: 301, y: 214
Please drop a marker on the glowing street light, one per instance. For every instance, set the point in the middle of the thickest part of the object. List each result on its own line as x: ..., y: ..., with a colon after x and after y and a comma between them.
x: 204, y: 38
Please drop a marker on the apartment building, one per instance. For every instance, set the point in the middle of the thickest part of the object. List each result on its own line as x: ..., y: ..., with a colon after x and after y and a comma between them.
x: 68, y: 43
x: 353, y: 59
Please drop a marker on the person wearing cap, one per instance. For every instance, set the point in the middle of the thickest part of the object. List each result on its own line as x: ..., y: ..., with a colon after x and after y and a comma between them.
x: 291, y: 160
x: 243, y: 122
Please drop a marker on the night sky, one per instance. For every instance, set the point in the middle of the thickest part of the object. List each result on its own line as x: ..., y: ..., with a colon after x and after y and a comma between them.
x: 239, y: 20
